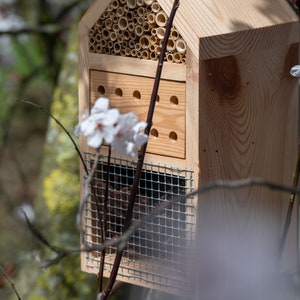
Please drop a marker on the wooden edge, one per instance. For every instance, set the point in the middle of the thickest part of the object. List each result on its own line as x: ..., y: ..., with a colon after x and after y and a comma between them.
x: 135, y: 66
x: 93, y: 12
x: 249, y: 40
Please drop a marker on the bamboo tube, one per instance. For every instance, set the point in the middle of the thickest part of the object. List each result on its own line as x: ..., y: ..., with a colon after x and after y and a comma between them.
x: 105, y: 33
x: 140, y: 11
x: 103, y: 43
x: 92, y: 31
x: 126, y: 8
x: 98, y: 37
x: 127, y: 51
x: 161, y: 18
x: 98, y: 48
x: 113, y: 36
x: 131, y: 3
x: 153, y: 56
x: 114, y: 4
x: 122, y: 52
x: 114, y: 18
x: 125, y: 44
x: 180, y: 45
x: 139, y: 30
x: 170, y: 45
x: 160, y: 32
x: 131, y: 44
x: 99, y: 23
x: 148, y: 2
x: 110, y: 44
x: 146, y: 26
x: 133, y: 52
x: 92, y: 48
x: 115, y: 27
x: 120, y: 11
x: 129, y: 16
x: 155, y: 7
x: 144, y: 41
x: 140, y: 20
x: 174, y: 33
x: 158, y: 50
x: 135, y: 20
x: 120, y: 38
x: 92, y: 40
x: 140, y: 2
x: 117, y: 47
x: 169, y: 57
x: 154, y: 31
x: 133, y: 36
x: 145, y: 54
x: 139, y: 54
x: 138, y: 47
x: 130, y: 27
x: 177, y: 57
x: 152, y: 47
x: 126, y: 35
x: 105, y: 14
x: 153, y: 40
x: 122, y: 23
x: 122, y: 1
x: 108, y: 23
x: 109, y: 8
x: 151, y: 19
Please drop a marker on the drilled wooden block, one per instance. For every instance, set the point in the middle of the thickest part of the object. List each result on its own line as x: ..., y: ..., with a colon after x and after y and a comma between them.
x: 132, y: 93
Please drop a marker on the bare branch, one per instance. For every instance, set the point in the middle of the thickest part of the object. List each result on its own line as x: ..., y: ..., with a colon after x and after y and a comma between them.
x: 12, y: 285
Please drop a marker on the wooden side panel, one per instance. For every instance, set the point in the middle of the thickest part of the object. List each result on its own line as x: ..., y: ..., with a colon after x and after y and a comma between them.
x: 248, y: 128
x: 132, y: 94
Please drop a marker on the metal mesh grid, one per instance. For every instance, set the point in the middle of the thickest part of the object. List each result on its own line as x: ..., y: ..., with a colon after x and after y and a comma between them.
x: 155, y: 252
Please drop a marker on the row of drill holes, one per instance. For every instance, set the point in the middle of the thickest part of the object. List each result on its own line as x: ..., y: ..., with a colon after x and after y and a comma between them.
x: 136, y: 94
x: 172, y: 135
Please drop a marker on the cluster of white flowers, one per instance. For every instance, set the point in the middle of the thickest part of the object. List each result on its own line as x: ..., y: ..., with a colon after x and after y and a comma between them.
x: 121, y: 131
x: 295, y: 71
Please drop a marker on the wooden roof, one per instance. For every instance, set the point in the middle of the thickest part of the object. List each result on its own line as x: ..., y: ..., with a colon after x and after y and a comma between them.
x: 207, y: 18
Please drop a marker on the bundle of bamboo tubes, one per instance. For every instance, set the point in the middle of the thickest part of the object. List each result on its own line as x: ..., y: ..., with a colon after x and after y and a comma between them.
x: 135, y: 28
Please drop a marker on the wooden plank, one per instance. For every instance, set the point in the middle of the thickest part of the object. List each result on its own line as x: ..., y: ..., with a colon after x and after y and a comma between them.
x: 132, y: 93
x: 248, y: 128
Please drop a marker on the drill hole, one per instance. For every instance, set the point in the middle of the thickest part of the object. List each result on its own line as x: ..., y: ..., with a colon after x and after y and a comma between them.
x: 137, y: 95
x: 101, y: 90
x: 157, y: 98
x: 173, y: 136
x: 154, y: 132
x: 118, y: 92
x: 174, y: 100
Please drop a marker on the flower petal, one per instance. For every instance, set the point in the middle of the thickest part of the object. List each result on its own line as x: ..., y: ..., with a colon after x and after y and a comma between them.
x: 295, y: 71
x: 101, y: 105
x: 95, y: 140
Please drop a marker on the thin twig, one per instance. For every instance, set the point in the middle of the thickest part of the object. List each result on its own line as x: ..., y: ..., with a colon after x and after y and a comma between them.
x: 120, y: 241
x: 103, y: 221
x: 288, y: 218
x: 62, y: 126
x: 141, y: 156
x: 10, y: 283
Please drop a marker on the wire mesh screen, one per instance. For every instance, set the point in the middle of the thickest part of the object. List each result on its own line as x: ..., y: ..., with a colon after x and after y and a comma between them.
x: 155, y: 253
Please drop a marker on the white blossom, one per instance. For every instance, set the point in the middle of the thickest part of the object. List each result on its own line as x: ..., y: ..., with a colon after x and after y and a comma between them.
x: 128, y: 135
x: 100, y: 125
x: 121, y: 131
x: 295, y: 71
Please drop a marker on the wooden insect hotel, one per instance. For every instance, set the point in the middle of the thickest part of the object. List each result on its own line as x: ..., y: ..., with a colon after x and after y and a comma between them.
x: 226, y: 110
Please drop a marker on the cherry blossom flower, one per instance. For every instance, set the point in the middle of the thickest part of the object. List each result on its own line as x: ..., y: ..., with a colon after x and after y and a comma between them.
x: 121, y: 131
x: 295, y: 71
x: 99, y: 126
x: 128, y: 135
